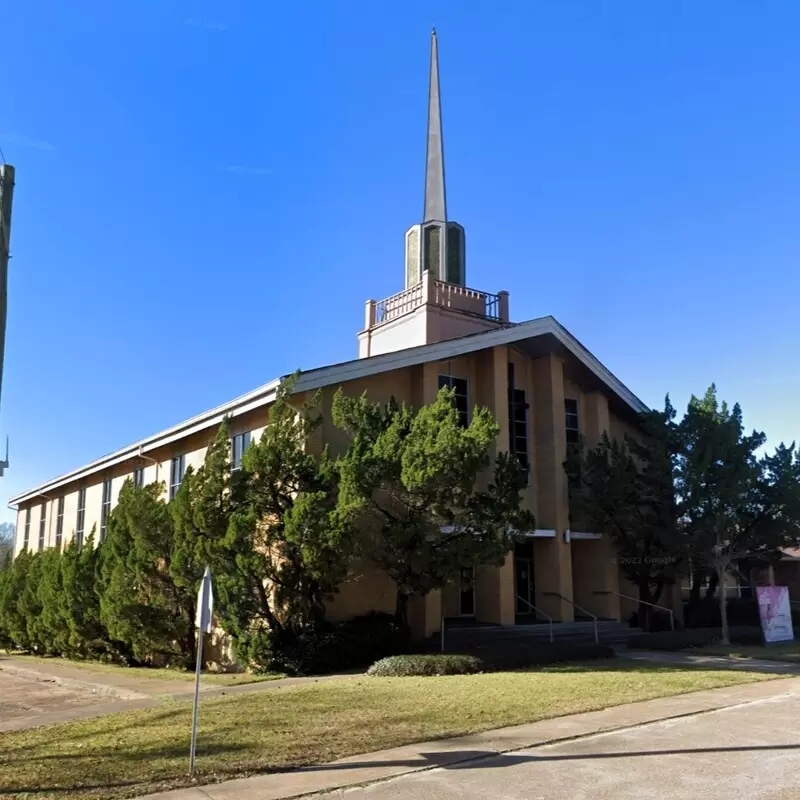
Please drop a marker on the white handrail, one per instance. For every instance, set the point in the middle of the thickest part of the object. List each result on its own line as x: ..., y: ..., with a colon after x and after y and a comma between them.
x: 580, y: 608
x: 644, y: 602
x: 538, y: 611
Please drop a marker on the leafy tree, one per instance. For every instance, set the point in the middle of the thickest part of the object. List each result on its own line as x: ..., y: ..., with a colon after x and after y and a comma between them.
x: 733, y: 504
x: 625, y: 488
x: 138, y: 604
x: 288, y: 543
x: 410, y: 475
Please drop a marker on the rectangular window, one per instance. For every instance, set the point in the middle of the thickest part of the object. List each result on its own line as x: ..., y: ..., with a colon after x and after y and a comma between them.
x: 105, y: 509
x: 27, y: 531
x: 571, y: 421
x: 459, y: 387
x: 176, y: 475
x: 42, y: 525
x: 79, y: 523
x: 239, y: 444
x: 517, y: 421
x: 59, y: 522
x: 138, y: 477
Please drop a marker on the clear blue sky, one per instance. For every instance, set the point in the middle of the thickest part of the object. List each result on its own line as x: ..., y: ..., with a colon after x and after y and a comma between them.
x: 208, y: 192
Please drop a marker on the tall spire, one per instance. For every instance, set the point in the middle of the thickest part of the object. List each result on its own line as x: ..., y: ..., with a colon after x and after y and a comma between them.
x: 435, y: 206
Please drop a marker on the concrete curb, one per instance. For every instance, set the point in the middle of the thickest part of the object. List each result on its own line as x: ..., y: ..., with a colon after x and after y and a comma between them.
x: 102, y: 689
x: 369, y: 768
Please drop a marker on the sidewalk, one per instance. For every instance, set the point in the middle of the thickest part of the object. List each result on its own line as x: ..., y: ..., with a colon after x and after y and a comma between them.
x: 715, y: 662
x: 380, y: 766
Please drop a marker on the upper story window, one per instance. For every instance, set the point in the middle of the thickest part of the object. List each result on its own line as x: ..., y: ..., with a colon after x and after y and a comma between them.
x: 42, y: 525
x: 59, y: 521
x: 138, y: 477
x: 461, y: 399
x: 26, y: 536
x: 81, y: 520
x: 239, y: 444
x: 517, y: 421
x: 105, y: 509
x: 176, y: 470
x: 571, y: 421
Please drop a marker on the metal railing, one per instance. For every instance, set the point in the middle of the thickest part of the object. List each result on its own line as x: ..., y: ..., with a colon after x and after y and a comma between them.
x: 539, y: 611
x: 579, y: 608
x: 645, y: 603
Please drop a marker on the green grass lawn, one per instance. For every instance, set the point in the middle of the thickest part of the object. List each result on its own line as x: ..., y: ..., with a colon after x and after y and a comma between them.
x: 218, y: 678
x: 136, y: 752
x: 785, y: 651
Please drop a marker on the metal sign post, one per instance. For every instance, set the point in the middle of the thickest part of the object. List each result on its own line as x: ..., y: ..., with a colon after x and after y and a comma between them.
x: 205, y: 608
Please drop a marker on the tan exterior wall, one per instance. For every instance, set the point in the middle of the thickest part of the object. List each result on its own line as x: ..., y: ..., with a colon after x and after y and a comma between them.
x: 584, y: 572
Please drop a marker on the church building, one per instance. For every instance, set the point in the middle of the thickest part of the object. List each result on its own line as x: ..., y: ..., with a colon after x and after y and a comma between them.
x: 543, y: 386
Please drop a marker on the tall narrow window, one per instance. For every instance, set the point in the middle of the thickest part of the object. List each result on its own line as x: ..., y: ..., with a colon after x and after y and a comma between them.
x: 81, y: 520
x: 105, y: 509
x: 59, y: 522
x: 176, y: 475
x: 138, y: 477
x: 571, y: 421
x: 517, y: 421
x: 239, y: 444
x: 26, y: 537
x: 461, y: 398
x: 42, y: 525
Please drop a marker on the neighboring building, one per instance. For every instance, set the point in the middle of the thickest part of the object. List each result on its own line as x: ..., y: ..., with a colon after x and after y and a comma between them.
x: 543, y: 386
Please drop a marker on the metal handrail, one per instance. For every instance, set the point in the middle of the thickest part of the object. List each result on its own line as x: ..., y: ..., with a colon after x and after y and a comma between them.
x: 644, y: 602
x: 580, y: 608
x: 539, y: 611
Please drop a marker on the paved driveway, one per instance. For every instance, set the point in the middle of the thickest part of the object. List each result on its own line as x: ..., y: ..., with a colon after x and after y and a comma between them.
x: 749, y: 751
x: 24, y: 701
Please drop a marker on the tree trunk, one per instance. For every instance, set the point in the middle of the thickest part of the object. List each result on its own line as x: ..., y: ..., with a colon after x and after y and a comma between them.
x: 723, y: 606
x: 644, y: 607
x: 401, y: 608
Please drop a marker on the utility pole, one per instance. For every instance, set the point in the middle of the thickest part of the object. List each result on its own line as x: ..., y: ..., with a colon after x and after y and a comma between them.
x: 6, y: 200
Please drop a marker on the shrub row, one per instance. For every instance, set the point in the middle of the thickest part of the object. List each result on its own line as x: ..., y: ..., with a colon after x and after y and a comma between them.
x: 459, y: 664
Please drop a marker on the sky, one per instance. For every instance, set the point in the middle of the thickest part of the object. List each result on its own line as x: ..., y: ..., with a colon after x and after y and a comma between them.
x: 207, y: 193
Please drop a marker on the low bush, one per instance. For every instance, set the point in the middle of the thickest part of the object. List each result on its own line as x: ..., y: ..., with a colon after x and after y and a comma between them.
x: 694, y: 637
x: 432, y: 664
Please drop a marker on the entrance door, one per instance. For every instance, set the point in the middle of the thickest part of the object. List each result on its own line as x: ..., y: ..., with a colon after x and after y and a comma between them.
x: 524, y: 584
x: 467, y: 601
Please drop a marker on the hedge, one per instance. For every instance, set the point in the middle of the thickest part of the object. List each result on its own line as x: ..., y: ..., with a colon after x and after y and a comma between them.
x: 432, y: 664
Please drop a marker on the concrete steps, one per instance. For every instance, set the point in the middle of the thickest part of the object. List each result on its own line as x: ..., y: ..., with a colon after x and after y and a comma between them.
x: 479, y: 638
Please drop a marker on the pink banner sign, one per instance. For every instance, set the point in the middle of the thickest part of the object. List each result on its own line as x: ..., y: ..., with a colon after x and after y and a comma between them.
x: 775, y: 611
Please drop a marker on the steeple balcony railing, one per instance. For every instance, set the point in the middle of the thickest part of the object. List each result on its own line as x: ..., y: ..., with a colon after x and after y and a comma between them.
x: 431, y: 291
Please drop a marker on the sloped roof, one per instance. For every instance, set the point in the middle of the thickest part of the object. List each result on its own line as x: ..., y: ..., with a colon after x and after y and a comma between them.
x: 542, y: 328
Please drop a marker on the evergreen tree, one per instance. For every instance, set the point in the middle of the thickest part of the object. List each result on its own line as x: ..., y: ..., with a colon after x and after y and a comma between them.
x: 410, y: 476
x: 201, y: 513
x: 733, y: 504
x: 625, y: 488
x: 51, y: 628
x: 138, y: 605
x: 287, y: 546
x: 80, y: 566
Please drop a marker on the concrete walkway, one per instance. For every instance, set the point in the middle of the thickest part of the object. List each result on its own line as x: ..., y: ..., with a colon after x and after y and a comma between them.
x: 93, y: 693
x: 466, y: 751
x: 687, y: 659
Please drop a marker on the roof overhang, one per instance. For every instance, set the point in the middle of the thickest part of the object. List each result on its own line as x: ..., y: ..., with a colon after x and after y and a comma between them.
x: 537, y: 337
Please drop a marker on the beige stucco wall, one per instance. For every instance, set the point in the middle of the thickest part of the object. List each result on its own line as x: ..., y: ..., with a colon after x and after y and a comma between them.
x: 574, y: 570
